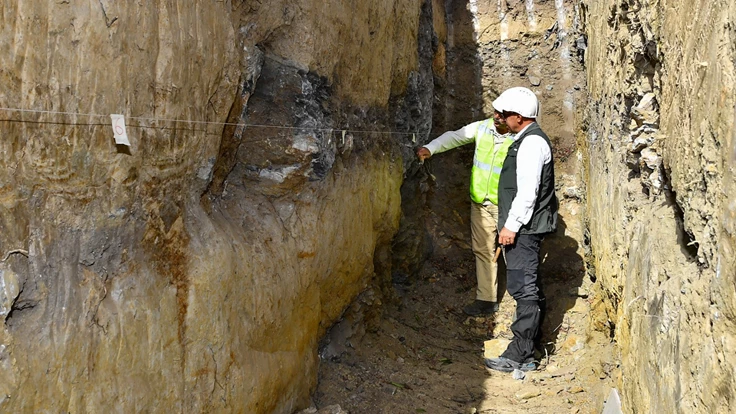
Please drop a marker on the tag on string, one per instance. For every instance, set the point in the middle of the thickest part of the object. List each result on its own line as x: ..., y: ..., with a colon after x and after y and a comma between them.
x: 118, y: 129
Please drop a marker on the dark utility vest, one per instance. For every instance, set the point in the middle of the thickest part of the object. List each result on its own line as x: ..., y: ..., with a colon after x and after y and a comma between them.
x: 544, y: 217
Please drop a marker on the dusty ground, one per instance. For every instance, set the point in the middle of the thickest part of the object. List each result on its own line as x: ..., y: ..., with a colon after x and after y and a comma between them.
x: 426, y: 356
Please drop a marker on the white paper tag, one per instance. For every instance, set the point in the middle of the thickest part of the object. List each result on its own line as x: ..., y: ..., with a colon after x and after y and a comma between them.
x: 118, y: 128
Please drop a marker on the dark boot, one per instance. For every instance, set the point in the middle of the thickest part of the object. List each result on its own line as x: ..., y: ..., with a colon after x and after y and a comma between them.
x: 507, y: 365
x: 481, y: 307
x: 525, y: 329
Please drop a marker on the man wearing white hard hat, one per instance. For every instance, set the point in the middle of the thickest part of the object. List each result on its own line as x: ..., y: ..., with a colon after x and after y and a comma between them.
x: 527, y: 211
x: 492, y: 140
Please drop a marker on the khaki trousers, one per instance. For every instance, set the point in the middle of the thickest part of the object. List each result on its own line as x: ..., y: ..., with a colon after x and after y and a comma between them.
x: 483, y: 229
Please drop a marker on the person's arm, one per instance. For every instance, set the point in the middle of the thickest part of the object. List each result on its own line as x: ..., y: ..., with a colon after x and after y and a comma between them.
x: 453, y: 139
x: 533, y: 154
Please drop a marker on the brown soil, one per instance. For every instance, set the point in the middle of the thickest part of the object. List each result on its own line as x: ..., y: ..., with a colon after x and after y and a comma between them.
x: 426, y: 356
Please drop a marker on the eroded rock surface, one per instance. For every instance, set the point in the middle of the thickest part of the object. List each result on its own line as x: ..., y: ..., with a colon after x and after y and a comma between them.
x: 660, y: 150
x: 196, y: 270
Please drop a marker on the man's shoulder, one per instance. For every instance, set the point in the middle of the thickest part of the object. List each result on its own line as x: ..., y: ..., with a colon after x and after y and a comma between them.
x: 486, y: 123
x: 535, y: 129
x: 536, y: 141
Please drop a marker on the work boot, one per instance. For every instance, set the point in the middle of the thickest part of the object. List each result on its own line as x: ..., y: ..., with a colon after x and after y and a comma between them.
x: 480, y: 307
x: 507, y: 365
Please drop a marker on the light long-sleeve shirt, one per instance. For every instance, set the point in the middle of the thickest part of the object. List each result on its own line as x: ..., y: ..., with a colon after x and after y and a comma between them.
x: 464, y: 135
x: 534, y: 153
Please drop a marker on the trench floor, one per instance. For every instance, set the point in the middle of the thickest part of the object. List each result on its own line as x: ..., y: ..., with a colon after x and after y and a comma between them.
x: 425, y: 356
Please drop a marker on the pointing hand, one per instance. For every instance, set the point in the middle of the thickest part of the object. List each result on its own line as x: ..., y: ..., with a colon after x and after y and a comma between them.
x: 423, y: 153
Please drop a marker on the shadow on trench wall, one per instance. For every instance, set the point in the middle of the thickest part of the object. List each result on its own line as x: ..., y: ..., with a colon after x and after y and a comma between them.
x: 449, y: 82
x: 561, y: 273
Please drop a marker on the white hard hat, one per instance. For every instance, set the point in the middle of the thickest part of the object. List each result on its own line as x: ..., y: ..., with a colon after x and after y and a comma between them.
x: 519, y: 100
x: 498, y: 104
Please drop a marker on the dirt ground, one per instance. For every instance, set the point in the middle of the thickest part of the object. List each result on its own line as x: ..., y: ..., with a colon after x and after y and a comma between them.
x: 426, y: 356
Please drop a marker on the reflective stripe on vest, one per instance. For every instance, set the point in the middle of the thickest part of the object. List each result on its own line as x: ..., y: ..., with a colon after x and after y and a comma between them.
x: 487, y: 163
x: 486, y: 167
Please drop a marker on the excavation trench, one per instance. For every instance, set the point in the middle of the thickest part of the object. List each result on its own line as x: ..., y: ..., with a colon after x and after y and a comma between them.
x: 424, y: 354
x: 268, y: 240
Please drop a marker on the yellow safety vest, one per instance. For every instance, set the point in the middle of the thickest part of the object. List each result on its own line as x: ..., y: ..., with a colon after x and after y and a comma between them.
x: 487, y: 163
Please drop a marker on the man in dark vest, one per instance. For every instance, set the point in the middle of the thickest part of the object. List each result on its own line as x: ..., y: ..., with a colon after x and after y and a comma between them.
x: 527, y: 210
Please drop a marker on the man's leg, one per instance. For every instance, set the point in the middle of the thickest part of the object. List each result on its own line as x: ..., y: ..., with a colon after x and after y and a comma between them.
x: 483, y: 230
x: 522, y: 261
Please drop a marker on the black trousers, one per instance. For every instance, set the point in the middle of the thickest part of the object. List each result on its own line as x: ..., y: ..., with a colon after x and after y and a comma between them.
x: 523, y: 284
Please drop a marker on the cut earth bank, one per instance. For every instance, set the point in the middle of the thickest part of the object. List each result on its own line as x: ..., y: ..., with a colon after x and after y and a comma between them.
x: 197, y: 270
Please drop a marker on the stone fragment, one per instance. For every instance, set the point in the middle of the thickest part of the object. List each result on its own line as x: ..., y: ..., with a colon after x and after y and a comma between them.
x: 572, y: 192
x: 578, y: 346
x: 338, y: 341
x: 495, y: 347
x: 651, y: 159
x: 646, y: 111
x: 642, y: 130
x: 554, y: 391
x: 534, y: 81
x: 527, y: 395
x: 638, y: 145
x: 518, y: 375
x: 576, y: 390
x: 647, y: 102
x: 332, y: 409
x: 557, y: 373
x: 573, y: 343
x: 9, y: 290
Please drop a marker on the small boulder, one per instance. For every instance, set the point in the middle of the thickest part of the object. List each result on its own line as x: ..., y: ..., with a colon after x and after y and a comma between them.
x: 495, y: 347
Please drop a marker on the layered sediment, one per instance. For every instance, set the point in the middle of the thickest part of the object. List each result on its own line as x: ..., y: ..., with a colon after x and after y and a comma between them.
x: 195, y: 270
x: 660, y: 188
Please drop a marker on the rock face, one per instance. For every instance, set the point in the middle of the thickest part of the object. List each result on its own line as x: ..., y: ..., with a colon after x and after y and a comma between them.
x: 660, y: 189
x: 196, y: 270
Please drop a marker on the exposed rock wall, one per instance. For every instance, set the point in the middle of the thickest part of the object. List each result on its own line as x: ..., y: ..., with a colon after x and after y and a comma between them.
x: 196, y: 271
x: 660, y: 189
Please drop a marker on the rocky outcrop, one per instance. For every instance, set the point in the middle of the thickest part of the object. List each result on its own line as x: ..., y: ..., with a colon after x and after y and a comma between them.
x: 660, y: 189
x: 196, y: 270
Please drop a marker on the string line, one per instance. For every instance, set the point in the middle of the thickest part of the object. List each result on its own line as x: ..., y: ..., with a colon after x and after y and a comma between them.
x: 138, y: 118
